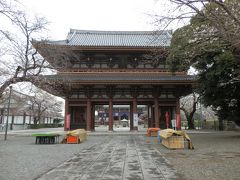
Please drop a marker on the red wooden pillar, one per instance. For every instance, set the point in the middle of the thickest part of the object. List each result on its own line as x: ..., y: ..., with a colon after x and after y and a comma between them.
x: 89, y: 117
x: 110, y: 115
x: 178, y: 119
x: 66, y: 114
x: 134, y: 109
x: 156, y: 112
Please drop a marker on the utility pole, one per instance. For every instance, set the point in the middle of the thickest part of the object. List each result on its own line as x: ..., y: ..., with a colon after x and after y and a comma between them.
x: 9, y: 101
x: 201, y: 115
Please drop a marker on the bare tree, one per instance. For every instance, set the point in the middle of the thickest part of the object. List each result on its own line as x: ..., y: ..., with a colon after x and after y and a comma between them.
x: 223, y: 17
x: 19, y: 61
x: 191, y: 104
x: 42, y: 104
x: 39, y: 104
x: 188, y: 105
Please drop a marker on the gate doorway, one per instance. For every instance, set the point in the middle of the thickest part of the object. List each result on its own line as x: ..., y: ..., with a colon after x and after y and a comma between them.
x: 101, y: 117
x: 121, y: 117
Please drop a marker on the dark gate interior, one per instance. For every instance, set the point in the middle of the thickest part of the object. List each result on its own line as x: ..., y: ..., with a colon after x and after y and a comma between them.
x: 78, y: 117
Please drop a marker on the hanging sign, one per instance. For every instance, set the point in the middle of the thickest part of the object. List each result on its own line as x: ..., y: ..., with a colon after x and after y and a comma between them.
x: 135, y: 119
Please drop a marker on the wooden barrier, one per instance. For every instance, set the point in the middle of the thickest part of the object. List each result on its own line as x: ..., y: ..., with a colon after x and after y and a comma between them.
x: 173, y: 142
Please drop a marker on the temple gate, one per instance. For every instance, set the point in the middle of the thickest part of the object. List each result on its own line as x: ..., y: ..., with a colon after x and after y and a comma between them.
x: 115, y: 67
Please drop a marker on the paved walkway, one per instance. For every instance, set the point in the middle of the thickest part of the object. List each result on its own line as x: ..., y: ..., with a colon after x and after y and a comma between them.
x: 117, y: 157
x: 98, y: 132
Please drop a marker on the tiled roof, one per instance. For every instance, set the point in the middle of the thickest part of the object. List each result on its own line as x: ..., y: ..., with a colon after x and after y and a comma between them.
x: 116, y: 38
x: 94, y: 77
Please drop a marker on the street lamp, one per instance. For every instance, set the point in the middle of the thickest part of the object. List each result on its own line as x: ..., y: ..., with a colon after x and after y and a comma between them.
x: 1, y: 115
x: 9, y: 101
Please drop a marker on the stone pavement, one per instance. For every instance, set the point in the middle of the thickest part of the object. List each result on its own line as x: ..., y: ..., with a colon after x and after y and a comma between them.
x: 131, y: 157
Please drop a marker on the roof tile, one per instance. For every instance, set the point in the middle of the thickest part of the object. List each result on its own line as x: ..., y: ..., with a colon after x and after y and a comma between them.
x: 117, y: 38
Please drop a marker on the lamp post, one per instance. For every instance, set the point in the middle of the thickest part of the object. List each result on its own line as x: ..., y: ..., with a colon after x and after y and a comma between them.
x: 9, y: 101
x: 1, y: 115
x: 2, y: 118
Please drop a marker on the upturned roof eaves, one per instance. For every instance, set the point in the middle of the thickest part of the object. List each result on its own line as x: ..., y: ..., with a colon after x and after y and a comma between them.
x: 100, y: 47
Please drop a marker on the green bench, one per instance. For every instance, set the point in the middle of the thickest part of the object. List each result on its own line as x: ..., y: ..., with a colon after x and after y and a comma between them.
x: 46, y: 138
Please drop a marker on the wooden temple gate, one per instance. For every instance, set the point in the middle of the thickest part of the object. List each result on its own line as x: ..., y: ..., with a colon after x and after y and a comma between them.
x: 115, y: 67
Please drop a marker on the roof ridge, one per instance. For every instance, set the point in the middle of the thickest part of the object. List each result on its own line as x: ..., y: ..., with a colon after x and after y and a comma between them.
x: 78, y: 31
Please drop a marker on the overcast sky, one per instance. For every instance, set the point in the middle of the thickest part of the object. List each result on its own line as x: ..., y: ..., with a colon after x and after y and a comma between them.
x: 95, y: 14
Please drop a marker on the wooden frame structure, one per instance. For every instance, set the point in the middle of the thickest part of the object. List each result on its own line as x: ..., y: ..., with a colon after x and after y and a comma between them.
x: 115, y: 67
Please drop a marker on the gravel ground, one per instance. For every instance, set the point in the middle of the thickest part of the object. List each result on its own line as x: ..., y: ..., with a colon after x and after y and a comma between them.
x: 21, y: 159
x: 216, y: 156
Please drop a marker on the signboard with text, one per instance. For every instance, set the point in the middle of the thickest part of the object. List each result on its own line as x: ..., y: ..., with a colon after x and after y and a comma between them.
x: 135, y: 119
